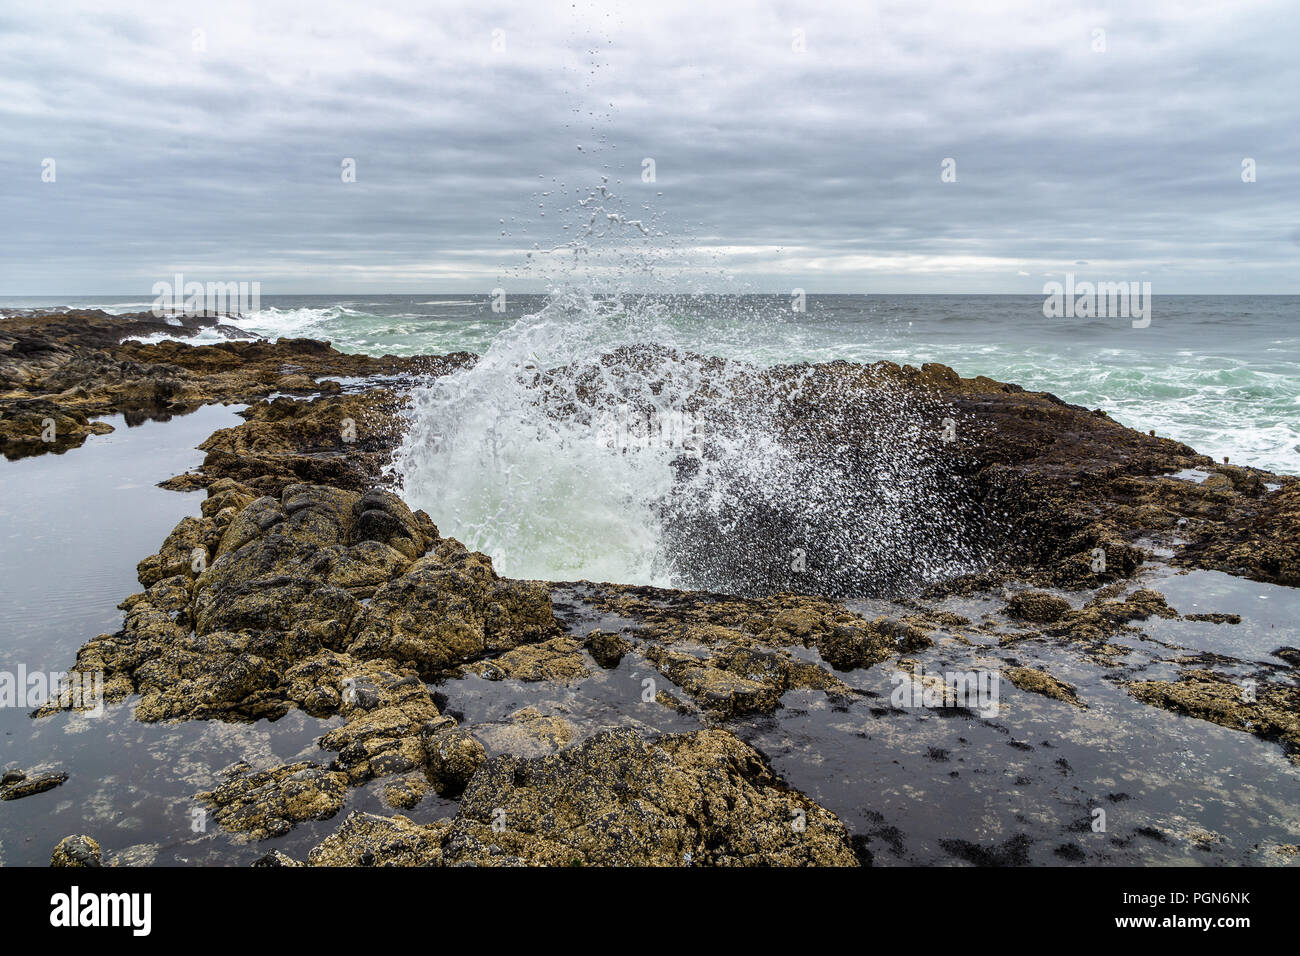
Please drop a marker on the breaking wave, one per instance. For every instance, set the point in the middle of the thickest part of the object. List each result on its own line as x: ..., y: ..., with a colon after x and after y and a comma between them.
x: 595, y: 440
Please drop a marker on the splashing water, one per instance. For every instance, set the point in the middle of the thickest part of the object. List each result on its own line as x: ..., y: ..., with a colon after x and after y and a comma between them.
x: 590, y: 442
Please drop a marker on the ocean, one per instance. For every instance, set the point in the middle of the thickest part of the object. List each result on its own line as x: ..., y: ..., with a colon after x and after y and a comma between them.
x: 1221, y: 373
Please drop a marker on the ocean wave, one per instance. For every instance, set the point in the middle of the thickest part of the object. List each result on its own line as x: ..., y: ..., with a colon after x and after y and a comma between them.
x: 202, y: 337
x: 290, y: 323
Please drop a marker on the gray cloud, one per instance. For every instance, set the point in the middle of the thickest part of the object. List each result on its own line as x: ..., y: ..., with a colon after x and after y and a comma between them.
x: 818, y: 169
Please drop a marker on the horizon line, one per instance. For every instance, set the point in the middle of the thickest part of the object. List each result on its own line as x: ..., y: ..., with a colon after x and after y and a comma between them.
x: 488, y: 294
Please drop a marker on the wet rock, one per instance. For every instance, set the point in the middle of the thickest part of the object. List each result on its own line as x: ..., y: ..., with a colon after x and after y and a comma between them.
x: 387, y: 712
x: 1214, y: 618
x: 1289, y: 654
x: 672, y: 702
x: 448, y: 608
x: 1138, y: 606
x: 276, y: 858
x: 295, y: 383
x: 268, y: 803
x: 34, y: 427
x: 722, y: 692
x: 1037, y: 607
x: 76, y: 851
x: 1102, y: 618
x: 693, y: 799
x: 285, y: 586
x: 1064, y: 480
x: 369, y: 840
x: 383, y: 517
x: 305, y: 584
x: 67, y: 366
x: 1266, y: 709
x: 186, y: 552
x: 405, y: 792
x: 1262, y: 542
x: 28, y: 785
x: 226, y: 493
x: 341, y: 441
x: 1038, y: 682
x: 558, y: 660
x: 453, y: 756
x: 607, y: 649
x: 525, y: 733
x: 848, y: 647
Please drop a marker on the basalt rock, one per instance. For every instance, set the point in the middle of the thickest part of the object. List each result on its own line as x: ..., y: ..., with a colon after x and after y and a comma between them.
x: 1037, y: 607
x: 557, y: 660
x: 731, y: 655
x: 1034, y: 681
x: 36, y: 426
x: 369, y: 840
x: 606, y: 649
x: 258, y: 606
x: 848, y: 647
x: 304, y: 583
x: 19, y: 784
x: 341, y: 441
x: 525, y: 733
x: 268, y: 803
x: 693, y: 799
x: 450, y: 607
x: 704, y: 799
x: 386, y: 712
x: 1267, y: 709
x: 453, y: 755
x: 77, y: 851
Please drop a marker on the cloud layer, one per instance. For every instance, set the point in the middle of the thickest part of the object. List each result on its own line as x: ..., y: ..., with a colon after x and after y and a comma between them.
x: 793, y: 145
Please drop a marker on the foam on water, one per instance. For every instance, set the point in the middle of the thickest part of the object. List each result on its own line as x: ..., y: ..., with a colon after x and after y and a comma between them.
x: 201, y: 337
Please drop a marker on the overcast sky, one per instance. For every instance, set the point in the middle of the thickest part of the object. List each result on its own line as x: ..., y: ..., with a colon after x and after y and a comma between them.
x: 219, y: 153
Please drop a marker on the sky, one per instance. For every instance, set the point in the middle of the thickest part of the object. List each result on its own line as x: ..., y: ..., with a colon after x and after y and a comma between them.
x: 908, y: 147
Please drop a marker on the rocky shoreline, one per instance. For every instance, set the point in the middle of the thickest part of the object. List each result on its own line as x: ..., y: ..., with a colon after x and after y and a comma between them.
x: 307, y: 584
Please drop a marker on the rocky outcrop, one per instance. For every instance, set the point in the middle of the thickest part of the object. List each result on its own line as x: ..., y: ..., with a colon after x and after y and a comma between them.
x: 703, y: 799
x: 77, y: 851
x: 267, y: 803
x: 1267, y: 709
x: 16, y: 784
x: 35, y: 426
x: 1034, y: 681
x: 369, y: 840
x: 304, y: 583
x: 1037, y: 607
x: 267, y: 603
x: 59, y: 370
